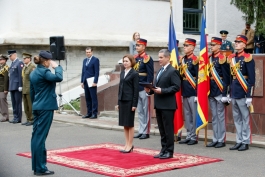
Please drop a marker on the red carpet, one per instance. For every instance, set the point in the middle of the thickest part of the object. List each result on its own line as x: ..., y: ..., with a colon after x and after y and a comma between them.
x: 107, y: 160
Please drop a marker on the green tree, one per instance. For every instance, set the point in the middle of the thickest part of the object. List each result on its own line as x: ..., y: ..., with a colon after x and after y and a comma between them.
x: 254, y: 11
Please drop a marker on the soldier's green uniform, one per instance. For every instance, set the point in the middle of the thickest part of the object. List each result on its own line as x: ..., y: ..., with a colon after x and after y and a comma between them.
x: 28, y: 68
x: 4, y: 83
x: 226, y: 45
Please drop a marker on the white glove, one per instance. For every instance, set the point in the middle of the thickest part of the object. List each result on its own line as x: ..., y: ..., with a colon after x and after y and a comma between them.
x: 224, y: 99
x: 248, y: 101
x: 20, y: 89
x: 195, y: 99
x: 228, y: 99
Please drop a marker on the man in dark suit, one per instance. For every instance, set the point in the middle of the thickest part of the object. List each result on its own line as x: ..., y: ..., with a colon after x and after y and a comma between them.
x: 15, y: 85
x: 90, y: 70
x: 167, y: 83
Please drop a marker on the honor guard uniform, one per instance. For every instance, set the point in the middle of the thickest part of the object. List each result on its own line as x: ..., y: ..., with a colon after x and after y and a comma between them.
x: 219, y: 81
x: 145, y: 67
x: 242, y: 68
x: 28, y: 68
x: 226, y: 45
x: 189, y: 74
x: 4, y: 84
x: 15, y: 85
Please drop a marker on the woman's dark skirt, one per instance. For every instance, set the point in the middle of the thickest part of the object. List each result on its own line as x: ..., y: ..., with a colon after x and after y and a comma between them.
x: 126, y: 115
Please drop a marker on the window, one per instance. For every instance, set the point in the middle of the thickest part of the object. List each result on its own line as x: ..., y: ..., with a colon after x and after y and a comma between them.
x: 192, y: 12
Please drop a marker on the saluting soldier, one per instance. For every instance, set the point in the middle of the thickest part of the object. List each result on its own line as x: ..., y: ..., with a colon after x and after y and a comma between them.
x: 28, y: 68
x: 145, y: 67
x: 226, y: 45
x: 15, y: 85
x: 219, y: 81
x: 242, y: 68
x: 189, y: 74
x: 4, y: 81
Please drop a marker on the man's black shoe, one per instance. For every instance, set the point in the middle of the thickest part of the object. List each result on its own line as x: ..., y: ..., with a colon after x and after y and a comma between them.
x: 166, y: 155
x: 87, y: 116
x: 16, y: 121
x: 236, y: 146
x: 144, y: 136
x: 177, y: 138
x: 243, y: 147
x: 138, y: 136
x: 25, y: 123
x: 29, y: 124
x: 11, y: 121
x: 93, y: 116
x: 184, y: 141
x: 48, y: 172
x: 158, y: 155
x: 192, y: 142
x: 212, y: 144
x: 219, y: 145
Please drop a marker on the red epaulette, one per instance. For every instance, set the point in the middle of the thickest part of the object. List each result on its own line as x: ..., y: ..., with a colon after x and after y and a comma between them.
x: 222, y: 58
x: 135, y: 56
x: 195, y: 60
x: 247, y: 57
x: 146, y: 58
x: 229, y: 58
x: 194, y: 57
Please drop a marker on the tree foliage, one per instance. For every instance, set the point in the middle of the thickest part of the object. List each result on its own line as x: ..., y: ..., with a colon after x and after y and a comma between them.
x: 254, y: 11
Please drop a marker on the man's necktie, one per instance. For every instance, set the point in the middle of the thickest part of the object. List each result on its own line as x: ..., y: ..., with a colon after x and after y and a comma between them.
x: 160, y: 72
x: 87, y: 62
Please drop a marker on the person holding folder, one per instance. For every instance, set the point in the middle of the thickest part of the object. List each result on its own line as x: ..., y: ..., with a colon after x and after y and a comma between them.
x: 90, y: 71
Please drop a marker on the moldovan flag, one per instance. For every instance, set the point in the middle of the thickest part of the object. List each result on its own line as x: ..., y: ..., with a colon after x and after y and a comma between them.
x: 203, y: 81
x: 174, y: 60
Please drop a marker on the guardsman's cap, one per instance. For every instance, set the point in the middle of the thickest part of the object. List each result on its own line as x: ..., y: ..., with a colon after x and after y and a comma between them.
x: 142, y: 41
x: 216, y: 40
x: 190, y: 41
x: 26, y: 55
x: 223, y: 32
x: 3, y: 57
x: 10, y: 52
x: 242, y: 38
x: 45, y: 54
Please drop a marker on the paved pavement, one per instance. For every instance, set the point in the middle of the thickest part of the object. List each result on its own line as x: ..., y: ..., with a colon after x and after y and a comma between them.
x: 109, y: 121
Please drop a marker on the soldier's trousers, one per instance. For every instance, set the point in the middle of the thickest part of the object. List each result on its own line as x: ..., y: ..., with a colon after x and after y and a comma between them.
x: 27, y: 107
x: 41, y: 127
x: 16, y: 98
x: 190, y: 108
x: 218, y: 118
x: 143, y: 108
x: 4, y: 106
x: 241, y: 120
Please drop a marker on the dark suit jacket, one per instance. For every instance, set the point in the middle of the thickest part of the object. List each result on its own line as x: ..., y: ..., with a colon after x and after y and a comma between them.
x: 91, y: 70
x: 169, y: 82
x: 42, y: 87
x: 15, y: 75
x: 128, y: 88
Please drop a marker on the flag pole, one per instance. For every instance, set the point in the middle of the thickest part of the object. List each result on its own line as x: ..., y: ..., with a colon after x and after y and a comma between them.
x: 206, y: 127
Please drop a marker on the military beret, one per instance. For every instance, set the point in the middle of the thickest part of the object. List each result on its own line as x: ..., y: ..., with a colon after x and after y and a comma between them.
x: 45, y: 54
x: 190, y: 41
x: 242, y: 38
x: 142, y: 41
x: 3, y: 57
x: 217, y: 40
x: 26, y: 55
x: 223, y: 32
x: 9, y: 52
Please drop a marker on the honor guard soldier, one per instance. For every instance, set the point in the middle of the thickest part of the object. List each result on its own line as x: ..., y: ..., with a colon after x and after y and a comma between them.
x: 226, y: 45
x: 145, y: 67
x: 28, y: 68
x: 4, y: 88
x: 219, y: 81
x: 189, y: 74
x: 242, y: 68
x: 15, y: 85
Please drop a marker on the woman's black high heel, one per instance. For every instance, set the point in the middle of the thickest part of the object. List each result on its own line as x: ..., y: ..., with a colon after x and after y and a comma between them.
x: 131, y: 150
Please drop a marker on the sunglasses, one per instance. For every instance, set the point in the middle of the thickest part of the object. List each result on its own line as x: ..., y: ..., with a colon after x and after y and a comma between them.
x: 138, y: 45
x: 238, y: 41
x: 186, y: 45
x: 212, y: 45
